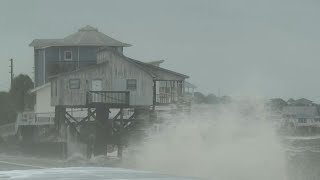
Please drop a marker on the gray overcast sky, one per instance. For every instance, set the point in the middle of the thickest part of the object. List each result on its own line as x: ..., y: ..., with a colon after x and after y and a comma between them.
x: 268, y: 48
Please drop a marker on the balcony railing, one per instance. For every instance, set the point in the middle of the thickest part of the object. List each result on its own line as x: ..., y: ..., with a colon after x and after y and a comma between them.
x: 165, y: 98
x: 116, y: 98
x: 32, y: 118
x: 57, y: 67
x: 8, y: 129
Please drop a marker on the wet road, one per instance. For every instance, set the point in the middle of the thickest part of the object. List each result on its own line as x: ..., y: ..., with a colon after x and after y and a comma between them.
x: 5, y: 166
x: 10, y: 162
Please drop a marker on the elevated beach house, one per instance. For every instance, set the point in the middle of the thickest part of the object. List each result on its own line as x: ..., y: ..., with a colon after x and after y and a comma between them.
x: 89, y: 67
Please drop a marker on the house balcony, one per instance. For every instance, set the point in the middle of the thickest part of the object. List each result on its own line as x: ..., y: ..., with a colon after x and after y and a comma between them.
x: 168, y: 92
x: 110, y: 98
x: 35, y: 119
x: 165, y: 99
x: 8, y: 129
x: 57, y: 67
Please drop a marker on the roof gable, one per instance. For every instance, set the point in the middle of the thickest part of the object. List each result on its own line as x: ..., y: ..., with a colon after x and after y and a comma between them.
x: 147, y: 67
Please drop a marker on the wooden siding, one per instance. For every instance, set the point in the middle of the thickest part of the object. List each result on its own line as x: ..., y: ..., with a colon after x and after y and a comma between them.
x: 55, y: 54
x: 121, y: 70
x: 52, y: 54
x: 114, y: 72
x: 88, y: 53
x: 40, y: 67
x: 36, y: 69
x: 54, y: 92
x: 77, y: 97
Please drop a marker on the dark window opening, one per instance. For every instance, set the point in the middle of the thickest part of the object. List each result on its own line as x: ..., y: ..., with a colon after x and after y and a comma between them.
x: 131, y: 84
x: 302, y: 120
x: 74, y: 83
x: 67, y: 55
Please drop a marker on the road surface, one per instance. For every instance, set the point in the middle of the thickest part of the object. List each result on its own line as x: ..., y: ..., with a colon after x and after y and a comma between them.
x: 6, y: 166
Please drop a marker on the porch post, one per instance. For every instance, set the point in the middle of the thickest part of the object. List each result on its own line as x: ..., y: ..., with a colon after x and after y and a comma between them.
x: 183, y: 88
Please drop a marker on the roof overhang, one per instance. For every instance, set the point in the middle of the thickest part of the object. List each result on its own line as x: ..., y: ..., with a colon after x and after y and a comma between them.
x: 86, y: 36
x: 39, y: 88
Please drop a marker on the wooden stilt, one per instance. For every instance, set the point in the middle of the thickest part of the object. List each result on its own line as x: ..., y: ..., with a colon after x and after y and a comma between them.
x: 120, y: 140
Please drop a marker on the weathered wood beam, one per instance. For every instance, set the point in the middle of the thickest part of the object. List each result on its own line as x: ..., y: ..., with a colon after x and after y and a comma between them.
x: 91, y: 114
x: 116, y: 117
x: 132, y: 116
x: 120, y: 141
x: 70, y: 116
x: 72, y: 125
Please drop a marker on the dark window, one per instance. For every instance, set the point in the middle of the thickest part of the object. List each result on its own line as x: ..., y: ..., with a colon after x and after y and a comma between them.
x: 131, y: 84
x: 74, y: 83
x: 67, y: 55
x: 302, y: 120
x: 164, y: 89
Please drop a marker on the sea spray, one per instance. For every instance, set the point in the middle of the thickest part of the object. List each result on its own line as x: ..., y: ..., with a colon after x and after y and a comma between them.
x: 236, y: 141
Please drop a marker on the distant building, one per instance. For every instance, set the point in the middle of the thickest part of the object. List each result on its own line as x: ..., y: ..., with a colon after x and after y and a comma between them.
x: 190, y: 88
x: 276, y: 104
x: 291, y: 101
x: 301, y: 116
x: 300, y: 102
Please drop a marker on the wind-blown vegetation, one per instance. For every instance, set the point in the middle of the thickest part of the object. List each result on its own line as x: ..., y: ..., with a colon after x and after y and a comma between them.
x: 17, y: 99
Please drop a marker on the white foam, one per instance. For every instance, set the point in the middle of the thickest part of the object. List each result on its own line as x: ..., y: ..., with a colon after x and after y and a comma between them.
x: 228, y: 142
x: 97, y: 173
x: 302, y: 137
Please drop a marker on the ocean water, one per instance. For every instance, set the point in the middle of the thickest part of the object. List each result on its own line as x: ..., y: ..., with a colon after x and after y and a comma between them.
x: 303, y: 158
x: 236, y: 141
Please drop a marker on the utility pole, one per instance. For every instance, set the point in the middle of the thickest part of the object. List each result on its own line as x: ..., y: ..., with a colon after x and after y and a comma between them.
x: 11, y: 71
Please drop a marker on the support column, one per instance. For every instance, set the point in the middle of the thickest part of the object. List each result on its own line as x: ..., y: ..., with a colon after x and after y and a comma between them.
x: 60, y: 125
x: 120, y: 140
x: 59, y: 120
x: 103, y: 130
